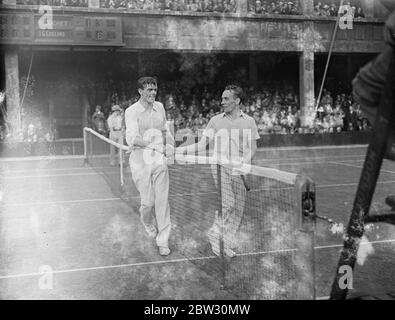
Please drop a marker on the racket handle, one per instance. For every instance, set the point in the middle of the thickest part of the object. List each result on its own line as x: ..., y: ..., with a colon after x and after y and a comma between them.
x: 243, y: 178
x: 164, y: 142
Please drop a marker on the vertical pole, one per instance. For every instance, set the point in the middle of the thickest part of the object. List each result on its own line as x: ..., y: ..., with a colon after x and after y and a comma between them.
x: 91, y: 144
x: 305, y: 239
x: 11, y: 62
x: 221, y: 226
x: 120, y: 151
x: 85, y: 145
x: 306, y: 80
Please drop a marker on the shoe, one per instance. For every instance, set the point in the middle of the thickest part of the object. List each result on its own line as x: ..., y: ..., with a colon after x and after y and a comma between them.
x: 390, y: 200
x: 228, y: 251
x: 215, y: 248
x: 164, y: 251
x: 151, y: 230
x: 213, y: 238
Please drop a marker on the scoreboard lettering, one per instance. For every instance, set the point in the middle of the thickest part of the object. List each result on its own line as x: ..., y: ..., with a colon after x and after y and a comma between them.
x: 61, y: 32
x: 16, y: 29
x: 56, y: 34
x: 66, y: 30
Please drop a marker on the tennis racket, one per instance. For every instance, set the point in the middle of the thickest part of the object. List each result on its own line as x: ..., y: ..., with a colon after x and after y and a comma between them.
x: 367, y: 183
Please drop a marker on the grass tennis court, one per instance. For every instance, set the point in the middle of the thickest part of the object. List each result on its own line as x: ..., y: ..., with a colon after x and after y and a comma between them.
x: 59, y: 215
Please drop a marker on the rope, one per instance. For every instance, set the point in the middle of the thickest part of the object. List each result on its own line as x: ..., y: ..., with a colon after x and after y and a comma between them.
x: 26, y: 84
x: 329, y: 56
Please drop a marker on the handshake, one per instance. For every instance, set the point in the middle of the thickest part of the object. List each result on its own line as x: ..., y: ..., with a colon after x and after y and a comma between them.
x: 170, y: 151
x: 167, y: 150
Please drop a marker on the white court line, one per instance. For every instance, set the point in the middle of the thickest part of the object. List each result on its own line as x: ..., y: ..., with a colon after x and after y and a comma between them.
x: 359, y: 167
x: 340, y: 246
x: 117, y: 266
x: 310, y: 158
x: 283, y: 164
x: 275, y: 160
x: 59, y: 175
x: 117, y: 171
x: 54, y: 169
x: 362, y: 244
x: 39, y: 203
x: 349, y: 184
x: 38, y: 158
x: 73, y: 157
x: 350, y: 146
x: 136, y: 197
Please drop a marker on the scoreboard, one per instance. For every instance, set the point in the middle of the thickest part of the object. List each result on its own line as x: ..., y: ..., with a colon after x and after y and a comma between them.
x: 16, y: 29
x: 26, y: 28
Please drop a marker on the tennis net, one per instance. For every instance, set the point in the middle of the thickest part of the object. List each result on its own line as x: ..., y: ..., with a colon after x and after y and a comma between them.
x: 249, y: 231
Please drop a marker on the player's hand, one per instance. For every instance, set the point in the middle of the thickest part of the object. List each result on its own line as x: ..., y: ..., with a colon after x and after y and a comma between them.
x: 239, y: 166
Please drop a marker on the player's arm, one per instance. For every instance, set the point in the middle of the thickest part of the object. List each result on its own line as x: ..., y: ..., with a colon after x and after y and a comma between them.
x: 201, y: 145
x: 195, y: 147
x: 133, y: 138
x: 247, y: 158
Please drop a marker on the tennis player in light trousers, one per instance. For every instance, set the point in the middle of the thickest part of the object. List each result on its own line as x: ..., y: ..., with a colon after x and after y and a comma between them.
x: 145, y: 125
x: 234, y: 134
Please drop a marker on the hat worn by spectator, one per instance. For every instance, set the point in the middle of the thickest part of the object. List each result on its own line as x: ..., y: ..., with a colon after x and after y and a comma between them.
x: 116, y: 108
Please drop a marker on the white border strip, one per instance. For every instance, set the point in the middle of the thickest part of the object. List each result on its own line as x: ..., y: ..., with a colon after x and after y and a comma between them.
x: 136, y: 197
x: 356, y: 166
x: 38, y: 158
x: 22, y: 275
x: 348, y: 146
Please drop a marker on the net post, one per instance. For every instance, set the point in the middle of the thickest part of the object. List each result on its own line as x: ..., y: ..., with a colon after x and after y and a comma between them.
x: 305, y: 238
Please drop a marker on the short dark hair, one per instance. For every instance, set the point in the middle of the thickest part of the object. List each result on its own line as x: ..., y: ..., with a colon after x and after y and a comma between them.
x: 236, y: 90
x: 145, y: 81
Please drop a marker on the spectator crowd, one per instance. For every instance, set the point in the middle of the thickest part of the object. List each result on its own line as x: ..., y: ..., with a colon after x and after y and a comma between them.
x: 274, y: 7
x: 36, y: 130
x: 275, y: 111
x: 64, y: 3
x: 331, y: 10
x: 260, y: 7
x: 226, y: 6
